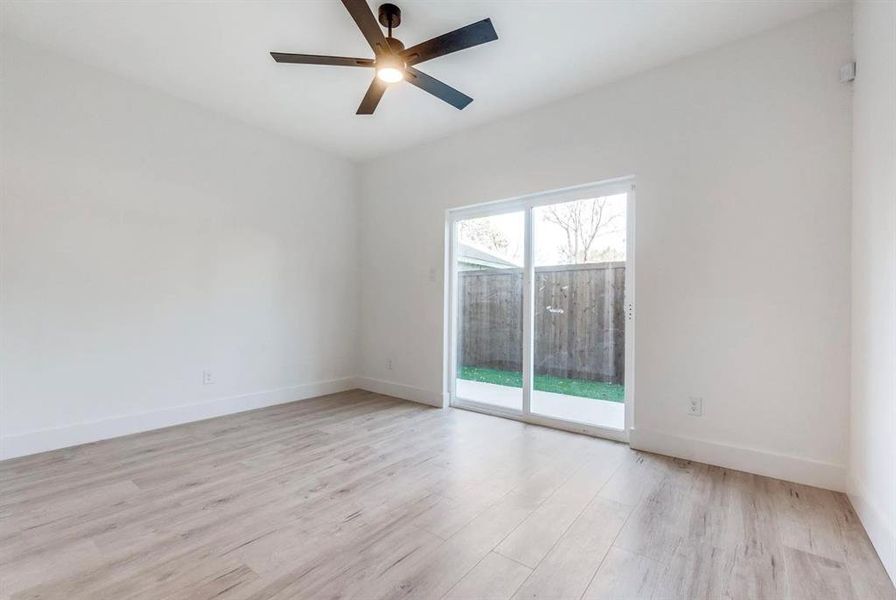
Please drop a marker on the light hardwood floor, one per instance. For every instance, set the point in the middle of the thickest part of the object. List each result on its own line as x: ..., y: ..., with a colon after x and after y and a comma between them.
x: 358, y: 495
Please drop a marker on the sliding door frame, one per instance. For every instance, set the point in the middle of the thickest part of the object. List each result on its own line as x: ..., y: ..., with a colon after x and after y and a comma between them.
x: 526, y: 204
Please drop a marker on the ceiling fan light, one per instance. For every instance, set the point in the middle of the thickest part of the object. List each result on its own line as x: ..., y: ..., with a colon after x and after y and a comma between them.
x: 390, y: 74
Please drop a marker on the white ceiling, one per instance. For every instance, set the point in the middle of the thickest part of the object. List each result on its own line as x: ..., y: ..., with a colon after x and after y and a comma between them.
x: 216, y: 54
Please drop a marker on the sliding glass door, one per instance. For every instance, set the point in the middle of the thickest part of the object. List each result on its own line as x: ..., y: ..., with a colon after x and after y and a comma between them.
x: 541, y: 308
x: 579, y: 333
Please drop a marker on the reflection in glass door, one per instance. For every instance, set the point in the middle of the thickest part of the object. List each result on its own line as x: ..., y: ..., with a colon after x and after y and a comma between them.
x: 489, y: 333
x: 578, y: 310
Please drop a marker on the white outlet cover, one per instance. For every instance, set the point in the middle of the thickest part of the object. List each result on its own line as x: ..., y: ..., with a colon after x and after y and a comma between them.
x: 695, y: 406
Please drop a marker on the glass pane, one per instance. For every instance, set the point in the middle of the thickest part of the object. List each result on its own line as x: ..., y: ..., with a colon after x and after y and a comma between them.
x: 490, y: 310
x: 579, y: 343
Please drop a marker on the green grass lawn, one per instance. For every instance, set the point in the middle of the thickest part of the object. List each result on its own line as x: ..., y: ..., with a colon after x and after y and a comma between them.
x: 584, y: 388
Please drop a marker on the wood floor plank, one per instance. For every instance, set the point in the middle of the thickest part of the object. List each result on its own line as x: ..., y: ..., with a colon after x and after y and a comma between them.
x: 358, y: 495
x: 696, y: 571
x: 568, y: 568
x: 434, y: 575
x: 757, y: 571
x: 866, y: 571
x: 494, y: 578
x: 811, y: 576
x: 624, y: 575
x: 635, y: 480
x: 809, y: 520
x: 659, y: 524
x: 532, y: 540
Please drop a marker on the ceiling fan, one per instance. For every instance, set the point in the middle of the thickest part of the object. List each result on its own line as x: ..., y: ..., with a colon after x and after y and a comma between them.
x: 392, y: 61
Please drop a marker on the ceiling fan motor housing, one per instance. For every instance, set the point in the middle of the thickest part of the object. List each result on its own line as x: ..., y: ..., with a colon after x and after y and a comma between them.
x: 395, y: 44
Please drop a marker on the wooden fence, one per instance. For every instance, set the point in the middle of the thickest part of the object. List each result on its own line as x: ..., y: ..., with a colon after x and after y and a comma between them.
x: 579, y: 320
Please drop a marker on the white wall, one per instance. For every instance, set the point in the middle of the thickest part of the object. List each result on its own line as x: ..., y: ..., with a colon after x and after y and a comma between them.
x: 742, y: 161
x: 873, y: 434
x: 145, y: 239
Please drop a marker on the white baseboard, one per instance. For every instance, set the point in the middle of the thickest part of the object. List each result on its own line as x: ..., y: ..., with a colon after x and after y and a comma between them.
x: 760, y: 462
x: 43, y: 440
x: 880, y: 528
x: 399, y: 390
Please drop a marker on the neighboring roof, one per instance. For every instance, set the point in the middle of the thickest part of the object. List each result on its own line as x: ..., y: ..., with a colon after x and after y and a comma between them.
x: 471, y: 255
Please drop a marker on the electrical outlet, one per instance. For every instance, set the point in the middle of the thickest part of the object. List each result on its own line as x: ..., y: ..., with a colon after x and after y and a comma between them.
x: 207, y: 378
x: 695, y: 406
x: 389, y: 363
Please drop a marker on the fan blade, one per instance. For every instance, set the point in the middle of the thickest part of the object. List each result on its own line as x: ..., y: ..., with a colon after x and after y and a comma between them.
x: 366, y: 22
x: 372, y: 97
x: 460, y: 39
x: 440, y: 90
x: 316, y: 59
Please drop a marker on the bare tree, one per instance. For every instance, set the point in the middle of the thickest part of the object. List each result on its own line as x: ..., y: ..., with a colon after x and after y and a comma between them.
x: 584, y: 222
x: 483, y: 232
